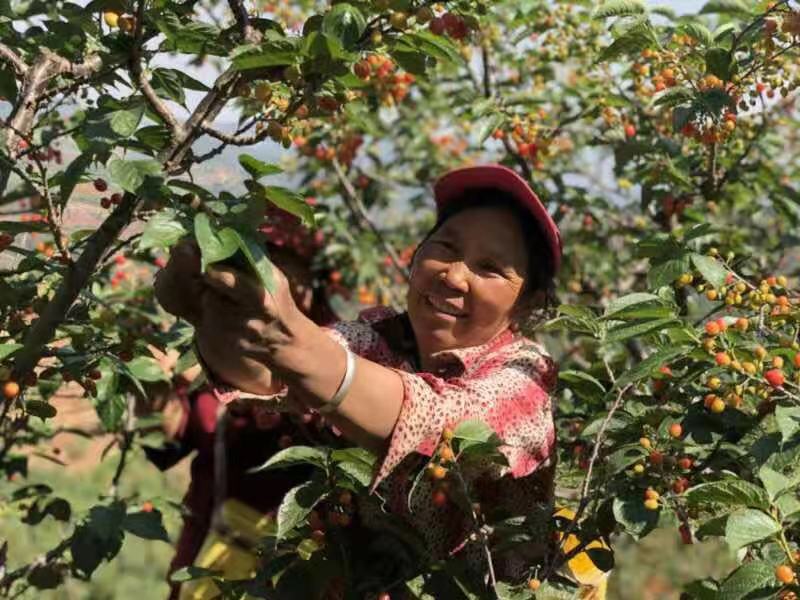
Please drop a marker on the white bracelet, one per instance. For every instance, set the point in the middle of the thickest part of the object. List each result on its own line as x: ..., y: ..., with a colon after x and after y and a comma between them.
x: 344, y: 387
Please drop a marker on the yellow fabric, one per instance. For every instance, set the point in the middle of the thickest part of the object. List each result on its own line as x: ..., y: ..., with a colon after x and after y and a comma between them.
x: 580, y: 567
x: 228, y: 552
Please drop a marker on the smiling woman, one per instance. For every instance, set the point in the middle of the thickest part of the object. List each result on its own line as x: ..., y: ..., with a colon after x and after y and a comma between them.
x: 484, y: 266
x: 395, y: 383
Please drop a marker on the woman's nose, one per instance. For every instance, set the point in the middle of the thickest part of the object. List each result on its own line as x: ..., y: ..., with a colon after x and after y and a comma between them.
x: 457, y: 276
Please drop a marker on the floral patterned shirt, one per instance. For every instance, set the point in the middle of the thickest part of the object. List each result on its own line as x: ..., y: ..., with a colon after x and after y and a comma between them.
x: 505, y: 383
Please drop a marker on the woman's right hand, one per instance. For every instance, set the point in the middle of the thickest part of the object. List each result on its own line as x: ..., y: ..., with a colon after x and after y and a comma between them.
x: 179, y: 285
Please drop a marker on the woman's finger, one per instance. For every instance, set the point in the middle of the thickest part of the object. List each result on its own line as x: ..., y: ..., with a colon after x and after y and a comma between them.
x: 235, y: 285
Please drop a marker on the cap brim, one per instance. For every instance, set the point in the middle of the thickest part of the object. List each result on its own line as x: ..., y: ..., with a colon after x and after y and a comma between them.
x: 453, y: 184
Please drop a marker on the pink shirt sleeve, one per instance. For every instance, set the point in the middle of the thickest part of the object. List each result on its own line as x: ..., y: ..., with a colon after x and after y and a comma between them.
x: 509, y: 392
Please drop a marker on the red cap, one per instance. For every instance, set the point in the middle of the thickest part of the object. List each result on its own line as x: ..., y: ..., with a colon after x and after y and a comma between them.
x: 454, y: 183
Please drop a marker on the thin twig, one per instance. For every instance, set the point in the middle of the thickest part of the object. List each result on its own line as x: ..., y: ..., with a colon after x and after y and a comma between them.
x: 359, y: 212
x: 584, y: 497
x: 233, y: 139
x: 127, y: 441
x: 135, y: 65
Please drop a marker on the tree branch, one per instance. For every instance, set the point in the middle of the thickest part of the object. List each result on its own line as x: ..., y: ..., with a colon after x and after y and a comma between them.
x: 249, y: 33
x: 37, y: 77
x: 12, y: 58
x: 75, y: 279
x: 357, y: 209
x: 584, y: 498
x: 233, y: 139
x: 137, y: 73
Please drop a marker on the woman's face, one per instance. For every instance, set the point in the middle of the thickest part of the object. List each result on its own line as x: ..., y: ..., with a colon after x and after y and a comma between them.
x: 466, y: 279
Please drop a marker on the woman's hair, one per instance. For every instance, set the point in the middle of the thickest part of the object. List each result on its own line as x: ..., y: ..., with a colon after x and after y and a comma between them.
x: 539, y: 278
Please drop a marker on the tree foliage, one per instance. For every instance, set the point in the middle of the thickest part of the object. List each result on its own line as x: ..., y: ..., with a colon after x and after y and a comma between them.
x: 664, y: 146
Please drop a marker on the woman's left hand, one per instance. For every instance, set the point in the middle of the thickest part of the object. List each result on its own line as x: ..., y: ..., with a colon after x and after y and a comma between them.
x: 243, y: 325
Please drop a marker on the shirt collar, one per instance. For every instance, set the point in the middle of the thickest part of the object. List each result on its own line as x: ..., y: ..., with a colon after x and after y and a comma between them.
x: 456, y: 360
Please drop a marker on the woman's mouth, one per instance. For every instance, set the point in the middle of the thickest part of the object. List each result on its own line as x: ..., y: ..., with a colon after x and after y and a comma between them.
x: 443, y: 307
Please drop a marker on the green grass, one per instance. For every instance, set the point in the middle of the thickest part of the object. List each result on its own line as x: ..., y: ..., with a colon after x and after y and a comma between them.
x: 140, y: 568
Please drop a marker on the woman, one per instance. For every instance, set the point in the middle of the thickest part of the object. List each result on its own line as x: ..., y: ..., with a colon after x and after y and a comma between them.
x: 393, y: 383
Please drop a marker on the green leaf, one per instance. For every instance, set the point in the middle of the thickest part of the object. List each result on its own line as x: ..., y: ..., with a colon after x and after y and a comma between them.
x: 488, y: 125
x: 214, y: 245
x: 697, y: 31
x: 631, y: 42
x: 712, y: 270
x: 146, y: 525
x: 673, y: 97
x: 729, y: 493
x: 125, y: 122
x: 257, y: 258
x: 637, y: 329
x: 681, y: 115
x: 154, y: 136
x: 296, y: 505
x: 110, y: 410
x: 646, y: 367
x: 749, y: 578
x: 190, y: 37
x: 40, y: 409
x: 775, y: 483
x: 162, y: 231
x: 345, y: 23
x: 294, y: 455
x: 665, y: 273
x: 730, y: 7
x: 145, y: 368
x: 257, y: 168
x: 98, y: 538
x: 748, y: 526
x: 274, y: 51
x: 788, y: 419
x: 473, y: 430
x: 582, y: 384
x: 718, y: 62
x: 435, y: 46
x: 131, y: 174
x: 358, y: 463
x: 7, y: 350
x: 72, y: 175
x: 287, y: 200
x: 631, y: 513
x: 167, y: 84
x: 619, y: 8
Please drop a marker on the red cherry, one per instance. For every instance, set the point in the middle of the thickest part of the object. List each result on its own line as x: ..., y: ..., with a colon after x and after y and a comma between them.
x: 362, y: 69
x: 105, y: 202
x: 100, y: 185
x: 437, y: 26
x: 774, y: 377
x: 116, y: 198
x: 630, y: 130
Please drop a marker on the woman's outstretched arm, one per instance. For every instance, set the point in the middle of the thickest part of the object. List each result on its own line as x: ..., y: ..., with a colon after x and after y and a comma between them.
x: 249, y: 339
